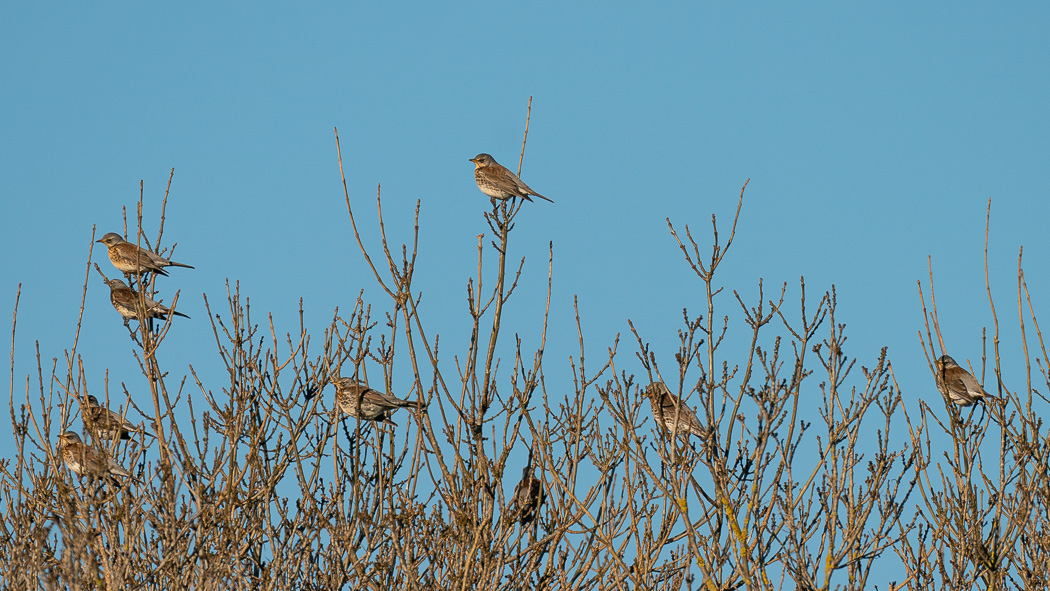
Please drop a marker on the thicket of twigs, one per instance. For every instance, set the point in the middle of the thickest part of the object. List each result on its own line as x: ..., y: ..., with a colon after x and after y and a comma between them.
x: 811, y: 472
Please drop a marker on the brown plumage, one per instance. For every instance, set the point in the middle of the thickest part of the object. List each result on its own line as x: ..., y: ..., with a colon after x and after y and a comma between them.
x: 85, y: 460
x: 360, y: 401
x: 131, y: 258
x: 125, y: 301
x: 957, y: 384
x: 106, y: 423
x: 497, y: 182
x: 667, y: 406
x: 528, y: 497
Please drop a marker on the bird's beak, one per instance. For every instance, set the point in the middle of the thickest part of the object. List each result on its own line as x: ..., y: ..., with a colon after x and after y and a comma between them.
x: 99, y: 240
x: 474, y: 160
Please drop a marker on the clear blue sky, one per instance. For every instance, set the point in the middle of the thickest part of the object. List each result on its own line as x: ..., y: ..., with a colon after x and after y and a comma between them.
x: 873, y: 137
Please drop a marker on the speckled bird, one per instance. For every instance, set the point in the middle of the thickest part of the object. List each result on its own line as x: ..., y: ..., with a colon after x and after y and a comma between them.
x: 85, y: 460
x: 497, y: 182
x: 528, y: 496
x: 667, y: 406
x: 125, y: 300
x: 132, y: 258
x: 106, y: 423
x: 360, y: 401
x: 957, y: 384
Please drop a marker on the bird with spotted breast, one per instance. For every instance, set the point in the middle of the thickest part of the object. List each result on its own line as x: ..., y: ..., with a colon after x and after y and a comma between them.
x: 85, y: 460
x: 125, y: 301
x: 957, y: 384
x: 359, y: 401
x: 106, y: 423
x: 497, y: 182
x: 669, y: 412
x: 133, y: 259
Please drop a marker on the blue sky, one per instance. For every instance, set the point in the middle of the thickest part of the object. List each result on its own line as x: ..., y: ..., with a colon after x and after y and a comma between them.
x: 873, y: 137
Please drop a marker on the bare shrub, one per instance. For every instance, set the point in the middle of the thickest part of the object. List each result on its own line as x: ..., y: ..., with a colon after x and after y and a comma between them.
x: 795, y: 472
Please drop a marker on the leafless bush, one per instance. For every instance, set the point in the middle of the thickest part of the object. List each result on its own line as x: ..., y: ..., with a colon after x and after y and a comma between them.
x: 982, y: 520
x: 806, y: 471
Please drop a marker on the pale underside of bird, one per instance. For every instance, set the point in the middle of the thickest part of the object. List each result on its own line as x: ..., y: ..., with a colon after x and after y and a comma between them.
x: 126, y: 301
x: 957, y: 384
x: 671, y: 414
x: 131, y: 258
x: 361, y: 402
x: 85, y: 460
x: 496, y: 181
x: 106, y: 423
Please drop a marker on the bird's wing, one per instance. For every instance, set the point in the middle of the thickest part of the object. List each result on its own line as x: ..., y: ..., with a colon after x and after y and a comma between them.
x: 382, y: 398
x: 119, y: 422
x: 955, y: 380
x: 969, y: 383
x: 520, y: 184
x: 131, y: 252
x: 527, y: 190
x: 91, y: 460
x: 123, y: 296
x: 115, y: 468
x: 504, y: 178
x: 155, y: 258
x: 155, y: 305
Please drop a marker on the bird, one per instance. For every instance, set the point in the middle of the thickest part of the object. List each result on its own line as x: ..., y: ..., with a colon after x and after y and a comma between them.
x: 957, y: 384
x: 497, y: 182
x: 131, y: 258
x: 667, y: 408
x: 106, y: 423
x: 84, y: 460
x: 125, y: 300
x: 528, y: 496
x: 360, y: 401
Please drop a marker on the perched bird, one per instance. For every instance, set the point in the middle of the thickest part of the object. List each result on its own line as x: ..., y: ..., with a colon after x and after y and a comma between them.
x: 360, y: 401
x: 125, y: 300
x: 528, y: 496
x: 106, y: 423
x: 957, y: 384
x: 131, y: 258
x: 85, y: 460
x: 497, y: 182
x: 667, y: 406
